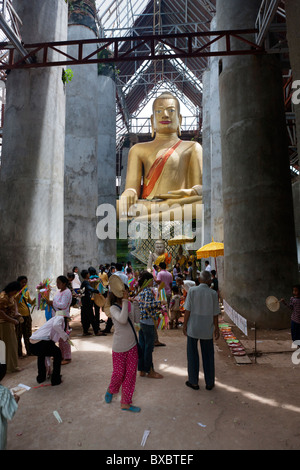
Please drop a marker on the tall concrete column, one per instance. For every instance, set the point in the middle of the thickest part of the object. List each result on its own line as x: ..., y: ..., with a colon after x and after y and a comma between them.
x: 259, y: 231
x: 33, y: 155
x: 217, y: 227
x: 107, y: 158
x: 206, y: 148
x: 217, y: 230
x: 81, y: 178
x: 212, y: 158
x: 296, y: 198
x: 292, y: 8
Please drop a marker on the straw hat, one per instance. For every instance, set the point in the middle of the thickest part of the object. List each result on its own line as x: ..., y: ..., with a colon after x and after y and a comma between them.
x: 117, y: 286
x: 99, y: 300
x: 272, y: 303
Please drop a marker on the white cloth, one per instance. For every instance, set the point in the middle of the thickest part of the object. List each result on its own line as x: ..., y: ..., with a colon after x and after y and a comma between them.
x: 122, y: 276
x: 76, y: 282
x: 208, y: 268
x: 188, y: 284
x: 203, y: 304
x: 53, y: 330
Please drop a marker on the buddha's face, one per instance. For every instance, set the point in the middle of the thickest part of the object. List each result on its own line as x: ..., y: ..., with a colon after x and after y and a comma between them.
x: 166, y: 118
x: 159, y: 247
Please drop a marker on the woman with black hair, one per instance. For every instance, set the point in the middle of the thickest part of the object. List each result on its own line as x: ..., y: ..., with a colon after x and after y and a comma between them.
x: 9, y: 318
x: 24, y: 303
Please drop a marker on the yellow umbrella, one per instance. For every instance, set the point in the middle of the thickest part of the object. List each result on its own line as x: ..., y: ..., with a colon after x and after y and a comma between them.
x: 181, y: 240
x: 212, y: 249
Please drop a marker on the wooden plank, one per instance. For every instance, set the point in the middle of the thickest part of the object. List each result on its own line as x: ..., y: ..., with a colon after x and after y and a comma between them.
x: 242, y: 359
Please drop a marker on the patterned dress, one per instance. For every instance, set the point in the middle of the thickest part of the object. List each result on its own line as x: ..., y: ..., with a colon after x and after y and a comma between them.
x: 8, y: 332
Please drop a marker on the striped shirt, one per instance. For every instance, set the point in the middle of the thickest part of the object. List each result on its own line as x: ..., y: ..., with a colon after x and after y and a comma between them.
x: 295, y: 307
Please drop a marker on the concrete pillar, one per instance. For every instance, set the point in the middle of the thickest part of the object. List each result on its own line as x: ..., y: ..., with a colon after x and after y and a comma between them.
x: 106, y: 151
x: 217, y: 230
x: 292, y: 8
x: 81, y: 177
x: 212, y: 159
x: 259, y: 231
x: 217, y: 227
x: 33, y: 155
x: 206, y: 149
x: 296, y: 198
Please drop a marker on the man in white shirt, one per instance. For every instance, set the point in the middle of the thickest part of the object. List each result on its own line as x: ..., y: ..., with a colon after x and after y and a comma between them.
x: 184, y: 284
x: 207, y: 266
x: 201, y: 323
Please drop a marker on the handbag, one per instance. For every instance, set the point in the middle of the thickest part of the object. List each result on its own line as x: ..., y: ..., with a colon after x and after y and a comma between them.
x: 140, y: 351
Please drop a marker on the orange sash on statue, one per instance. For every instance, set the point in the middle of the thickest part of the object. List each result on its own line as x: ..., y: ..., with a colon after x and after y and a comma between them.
x: 156, y: 170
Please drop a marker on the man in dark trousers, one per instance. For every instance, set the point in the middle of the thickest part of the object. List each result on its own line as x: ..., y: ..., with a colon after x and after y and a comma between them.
x: 87, y: 312
x: 201, y: 323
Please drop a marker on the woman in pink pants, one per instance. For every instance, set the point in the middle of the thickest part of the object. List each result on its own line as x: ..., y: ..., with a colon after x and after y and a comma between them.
x: 124, y: 348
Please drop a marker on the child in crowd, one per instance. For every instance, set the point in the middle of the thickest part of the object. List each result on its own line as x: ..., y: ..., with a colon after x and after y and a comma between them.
x: 8, y: 402
x: 174, y: 313
x: 76, y: 281
x: 75, y: 295
x: 294, y: 305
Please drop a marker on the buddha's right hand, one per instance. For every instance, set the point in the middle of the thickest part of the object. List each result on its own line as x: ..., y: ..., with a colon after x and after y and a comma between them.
x: 127, y: 199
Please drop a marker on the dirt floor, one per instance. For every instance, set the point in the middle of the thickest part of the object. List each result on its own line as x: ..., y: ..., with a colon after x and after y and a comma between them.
x: 253, y: 406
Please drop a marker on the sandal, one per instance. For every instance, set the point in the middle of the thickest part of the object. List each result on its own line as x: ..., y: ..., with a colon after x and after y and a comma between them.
x: 135, y: 409
x: 154, y: 375
x: 108, y: 397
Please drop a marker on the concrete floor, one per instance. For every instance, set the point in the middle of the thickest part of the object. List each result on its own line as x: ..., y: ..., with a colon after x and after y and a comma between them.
x: 253, y: 406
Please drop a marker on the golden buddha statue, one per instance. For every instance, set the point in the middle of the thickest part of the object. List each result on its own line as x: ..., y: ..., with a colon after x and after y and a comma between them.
x: 165, y: 171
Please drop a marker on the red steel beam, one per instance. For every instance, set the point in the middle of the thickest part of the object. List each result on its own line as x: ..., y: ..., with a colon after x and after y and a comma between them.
x: 127, y: 49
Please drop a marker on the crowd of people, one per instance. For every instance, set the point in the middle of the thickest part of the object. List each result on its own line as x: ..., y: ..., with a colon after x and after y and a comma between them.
x: 132, y: 300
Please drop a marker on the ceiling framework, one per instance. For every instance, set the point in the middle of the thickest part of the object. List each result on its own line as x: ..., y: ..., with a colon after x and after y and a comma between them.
x: 154, y: 43
x: 139, y: 78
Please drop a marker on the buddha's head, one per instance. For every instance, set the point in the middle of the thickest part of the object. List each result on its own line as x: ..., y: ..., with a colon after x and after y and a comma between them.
x: 159, y: 247
x: 166, y: 117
